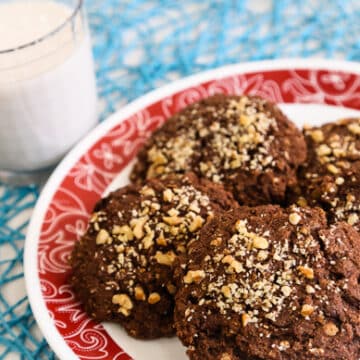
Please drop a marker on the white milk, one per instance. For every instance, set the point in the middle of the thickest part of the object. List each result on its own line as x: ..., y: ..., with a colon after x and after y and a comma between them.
x: 47, y: 90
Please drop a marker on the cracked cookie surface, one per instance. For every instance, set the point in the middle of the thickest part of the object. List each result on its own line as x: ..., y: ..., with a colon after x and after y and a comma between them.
x: 330, y: 178
x: 271, y: 283
x: 244, y: 142
x: 122, y: 267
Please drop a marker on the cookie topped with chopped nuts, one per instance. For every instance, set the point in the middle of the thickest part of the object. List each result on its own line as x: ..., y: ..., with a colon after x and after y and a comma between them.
x: 330, y: 177
x: 122, y: 267
x: 270, y: 283
x: 243, y: 142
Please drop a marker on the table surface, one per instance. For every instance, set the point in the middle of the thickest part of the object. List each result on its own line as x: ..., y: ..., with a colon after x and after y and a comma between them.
x: 140, y: 45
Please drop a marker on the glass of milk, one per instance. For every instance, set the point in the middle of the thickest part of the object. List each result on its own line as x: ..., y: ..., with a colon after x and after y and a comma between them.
x: 47, y: 85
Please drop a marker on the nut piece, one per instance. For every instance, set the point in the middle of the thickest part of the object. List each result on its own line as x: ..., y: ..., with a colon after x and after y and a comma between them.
x: 333, y: 169
x: 165, y: 259
x: 317, y: 136
x: 103, y: 237
x: 309, y: 289
x: 354, y: 128
x: 245, y: 120
x: 317, y: 351
x: 171, y: 288
x: 245, y: 319
x: 172, y: 220
x: 286, y: 290
x: 138, y: 226
x: 262, y: 255
x: 226, y: 356
x: 260, y: 243
x: 147, y: 191
x: 216, y: 242
x: 161, y: 240
x: 139, y: 293
x: 124, y: 233
x: 181, y: 249
x: 306, y: 271
x: 148, y: 240
x: 284, y: 344
x: 302, y: 202
x: 168, y: 195
x: 125, y: 303
x: 353, y: 219
x: 196, y: 223
x: 330, y: 329
x: 194, y: 276
x: 323, y: 150
x: 294, y: 218
x: 154, y: 298
x: 226, y: 291
x: 234, y: 265
x: 307, y: 310
x: 339, y: 181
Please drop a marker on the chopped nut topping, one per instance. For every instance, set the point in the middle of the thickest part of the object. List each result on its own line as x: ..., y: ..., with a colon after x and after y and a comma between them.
x: 172, y: 220
x: 353, y: 219
x: 124, y: 233
x: 139, y: 293
x: 260, y: 243
x: 194, y: 276
x: 154, y: 298
x: 226, y: 291
x: 262, y: 255
x: 339, y: 181
x: 309, y: 289
x: 196, y: 224
x: 181, y: 249
x: 307, y: 272
x: 302, y: 201
x: 171, y: 288
x: 323, y: 150
x: 333, y: 169
x: 317, y: 135
x: 284, y: 344
x: 103, y: 237
x: 161, y: 240
x: 216, y: 242
x: 226, y: 356
x: 245, y: 319
x: 307, y: 310
x: 354, y: 128
x: 168, y: 195
x: 138, y: 226
x: 125, y: 303
x: 294, y: 218
x: 165, y: 259
x: 317, y: 351
x: 330, y: 329
x: 147, y: 191
x: 233, y: 263
x: 148, y: 240
x: 286, y: 290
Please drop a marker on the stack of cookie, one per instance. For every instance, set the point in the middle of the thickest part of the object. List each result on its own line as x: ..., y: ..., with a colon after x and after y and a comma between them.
x: 239, y: 234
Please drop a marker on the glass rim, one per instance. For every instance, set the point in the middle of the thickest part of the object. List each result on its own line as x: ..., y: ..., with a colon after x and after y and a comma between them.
x: 49, y: 34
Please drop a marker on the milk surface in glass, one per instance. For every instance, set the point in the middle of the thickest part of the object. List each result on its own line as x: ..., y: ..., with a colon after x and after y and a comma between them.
x: 47, y: 82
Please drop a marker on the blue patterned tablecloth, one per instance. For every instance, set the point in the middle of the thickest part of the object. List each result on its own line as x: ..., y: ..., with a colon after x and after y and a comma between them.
x: 140, y: 45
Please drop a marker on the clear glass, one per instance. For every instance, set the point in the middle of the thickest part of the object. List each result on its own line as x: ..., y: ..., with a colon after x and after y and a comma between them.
x: 48, y: 96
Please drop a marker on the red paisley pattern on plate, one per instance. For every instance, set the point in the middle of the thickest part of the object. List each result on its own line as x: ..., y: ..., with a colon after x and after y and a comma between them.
x: 67, y: 214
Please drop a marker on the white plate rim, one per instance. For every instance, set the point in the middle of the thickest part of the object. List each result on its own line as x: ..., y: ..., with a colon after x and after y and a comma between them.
x: 37, y: 303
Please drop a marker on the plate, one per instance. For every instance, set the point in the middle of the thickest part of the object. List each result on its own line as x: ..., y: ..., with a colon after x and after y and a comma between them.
x: 309, y: 91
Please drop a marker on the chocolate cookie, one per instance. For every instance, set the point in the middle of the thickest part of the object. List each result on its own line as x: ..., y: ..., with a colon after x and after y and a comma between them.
x: 123, y: 265
x: 244, y: 142
x: 331, y: 176
x: 270, y: 283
